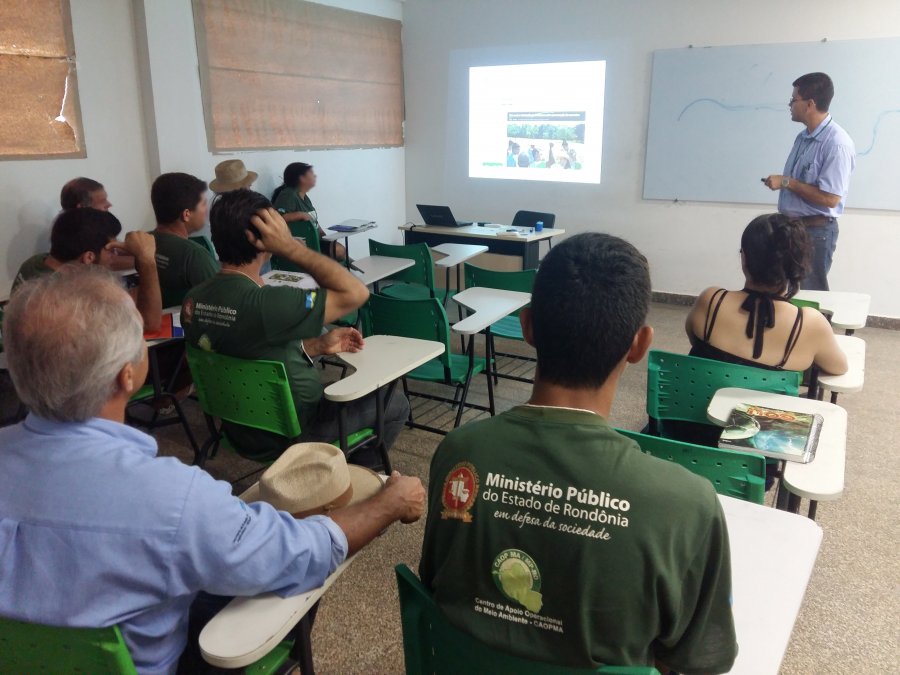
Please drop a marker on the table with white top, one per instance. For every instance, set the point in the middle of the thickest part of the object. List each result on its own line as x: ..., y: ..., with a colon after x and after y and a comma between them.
x: 852, y: 381
x: 849, y: 310
x: 488, y: 306
x: 247, y: 629
x: 772, y: 558
x: 334, y: 235
x: 382, y: 361
x: 822, y: 479
x: 373, y: 268
x: 504, y: 240
x: 454, y: 256
x: 771, y: 549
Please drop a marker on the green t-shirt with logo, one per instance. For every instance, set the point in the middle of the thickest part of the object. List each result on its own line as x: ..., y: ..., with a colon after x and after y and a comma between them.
x: 229, y: 314
x: 32, y: 268
x: 554, y: 538
x: 181, y: 265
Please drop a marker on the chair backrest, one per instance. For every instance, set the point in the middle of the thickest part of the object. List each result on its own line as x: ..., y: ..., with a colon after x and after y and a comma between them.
x: 204, y: 241
x: 35, y: 648
x: 432, y: 646
x: 422, y: 319
x: 422, y: 272
x: 680, y: 387
x: 300, y: 229
x: 529, y: 218
x: 797, y: 302
x: 522, y: 281
x: 251, y: 393
x: 735, y: 474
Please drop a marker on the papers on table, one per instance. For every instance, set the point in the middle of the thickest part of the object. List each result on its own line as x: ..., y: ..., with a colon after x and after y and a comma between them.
x: 295, y: 279
x: 353, y: 225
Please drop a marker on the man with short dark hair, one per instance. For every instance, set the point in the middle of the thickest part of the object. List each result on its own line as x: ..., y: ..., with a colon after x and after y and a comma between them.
x: 88, y: 236
x: 554, y: 538
x: 179, y: 203
x: 99, y: 531
x: 84, y: 192
x: 816, y: 178
x: 235, y: 313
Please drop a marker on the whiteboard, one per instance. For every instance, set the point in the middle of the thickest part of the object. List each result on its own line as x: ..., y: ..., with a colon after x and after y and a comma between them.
x: 719, y: 118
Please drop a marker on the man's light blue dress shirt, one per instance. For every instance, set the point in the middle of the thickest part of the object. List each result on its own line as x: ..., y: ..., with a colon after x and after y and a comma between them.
x: 96, y: 530
x: 824, y: 158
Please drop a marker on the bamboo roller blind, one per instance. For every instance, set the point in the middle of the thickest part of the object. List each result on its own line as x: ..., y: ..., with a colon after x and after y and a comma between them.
x: 295, y: 74
x: 40, y: 116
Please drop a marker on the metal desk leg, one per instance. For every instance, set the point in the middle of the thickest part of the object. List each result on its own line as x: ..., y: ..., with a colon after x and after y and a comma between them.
x: 465, y: 392
x: 813, y: 504
x: 488, y: 358
x: 834, y: 396
x: 342, y: 430
x: 379, y: 425
x: 793, y: 503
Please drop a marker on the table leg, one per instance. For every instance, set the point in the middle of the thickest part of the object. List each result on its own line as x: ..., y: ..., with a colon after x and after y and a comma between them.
x: 834, y: 397
x: 813, y: 505
x: 531, y: 255
x: 302, y: 649
x: 379, y: 425
x: 488, y: 357
x: 849, y: 331
x: 793, y: 503
x: 342, y: 430
x: 465, y: 392
x: 447, y: 287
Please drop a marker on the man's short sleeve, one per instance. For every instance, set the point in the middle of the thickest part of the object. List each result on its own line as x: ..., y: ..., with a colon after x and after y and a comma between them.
x: 834, y: 174
x: 287, y: 201
x: 703, y: 638
x: 292, y: 313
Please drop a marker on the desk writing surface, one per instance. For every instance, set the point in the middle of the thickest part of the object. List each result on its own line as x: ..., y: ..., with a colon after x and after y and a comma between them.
x: 855, y: 350
x: 772, y: 558
x: 822, y: 478
x: 849, y: 310
x: 486, y: 232
x: 489, y: 306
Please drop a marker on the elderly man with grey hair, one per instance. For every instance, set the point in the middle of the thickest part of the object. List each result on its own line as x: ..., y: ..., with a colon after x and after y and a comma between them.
x: 95, y: 530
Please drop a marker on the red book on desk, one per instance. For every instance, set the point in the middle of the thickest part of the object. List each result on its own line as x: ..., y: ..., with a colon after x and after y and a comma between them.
x: 169, y: 328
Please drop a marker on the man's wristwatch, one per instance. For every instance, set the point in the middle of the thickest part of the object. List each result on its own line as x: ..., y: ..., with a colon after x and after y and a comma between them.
x: 785, y: 181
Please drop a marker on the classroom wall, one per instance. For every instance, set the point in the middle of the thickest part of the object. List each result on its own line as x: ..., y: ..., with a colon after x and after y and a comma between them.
x: 142, y: 115
x: 690, y: 245
x: 113, y: 132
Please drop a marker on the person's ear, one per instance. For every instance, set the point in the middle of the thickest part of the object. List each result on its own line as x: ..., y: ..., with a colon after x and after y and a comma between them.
x: 640, y: 345
x: 186, y: 216
x: 527, y: 327
x: 88, y: 258
x: 126, y: 379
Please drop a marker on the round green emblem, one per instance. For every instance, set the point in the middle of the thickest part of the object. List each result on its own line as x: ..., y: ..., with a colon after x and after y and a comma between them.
x: 518, y: 578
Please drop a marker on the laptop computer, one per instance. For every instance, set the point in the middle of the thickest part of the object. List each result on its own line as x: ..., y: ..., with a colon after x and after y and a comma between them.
x: 439, y: 215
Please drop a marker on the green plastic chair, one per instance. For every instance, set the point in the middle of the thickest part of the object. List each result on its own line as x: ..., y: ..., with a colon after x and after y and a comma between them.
x: 413, y: 283
x: 255, y: 394
x: 432, y: 646
x: 735, y: 474
x: 508, y: 327
x: 301, y: 229
x: 205, y: 243
x: 680, y: 387
x: 427, y: 320
x: 36, y: 648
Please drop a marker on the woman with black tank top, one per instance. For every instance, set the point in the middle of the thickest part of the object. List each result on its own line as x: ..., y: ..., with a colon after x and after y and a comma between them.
x: 757, y: 325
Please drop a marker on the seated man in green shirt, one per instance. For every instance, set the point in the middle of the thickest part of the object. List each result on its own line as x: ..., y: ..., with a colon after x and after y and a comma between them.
x: 552, y: 537
x: 179, y: 204
x: 235, y: 313
x: 87, y: 235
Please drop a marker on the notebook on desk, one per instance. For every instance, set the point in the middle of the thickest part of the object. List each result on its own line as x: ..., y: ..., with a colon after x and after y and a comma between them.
x: 780, y: 434
x: 439, y: 216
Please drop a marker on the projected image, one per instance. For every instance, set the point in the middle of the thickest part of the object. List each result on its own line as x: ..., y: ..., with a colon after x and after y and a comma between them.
x: 537, y: 121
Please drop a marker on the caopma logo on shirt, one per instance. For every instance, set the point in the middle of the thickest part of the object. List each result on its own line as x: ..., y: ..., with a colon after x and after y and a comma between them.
x: 517, y: 576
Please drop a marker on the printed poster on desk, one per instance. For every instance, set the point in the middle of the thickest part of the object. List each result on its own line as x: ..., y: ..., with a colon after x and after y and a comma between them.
x: 295, y: 279
x: 780, y: 434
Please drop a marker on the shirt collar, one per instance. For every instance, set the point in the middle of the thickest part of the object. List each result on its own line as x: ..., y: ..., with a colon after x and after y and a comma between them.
x: 94, y: 427
x: 559, y: 414
x: 816, y: 132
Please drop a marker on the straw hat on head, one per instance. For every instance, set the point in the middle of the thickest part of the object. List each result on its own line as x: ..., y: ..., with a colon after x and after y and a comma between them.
x: 231, y: 175
x: 311, y: 479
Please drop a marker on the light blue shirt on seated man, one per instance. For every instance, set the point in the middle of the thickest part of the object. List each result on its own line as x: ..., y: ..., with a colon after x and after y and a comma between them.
x: 824, y: 158
x: 148, y: 534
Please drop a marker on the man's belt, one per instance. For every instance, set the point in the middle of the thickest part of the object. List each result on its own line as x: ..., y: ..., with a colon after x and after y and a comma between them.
x: 815, y: 221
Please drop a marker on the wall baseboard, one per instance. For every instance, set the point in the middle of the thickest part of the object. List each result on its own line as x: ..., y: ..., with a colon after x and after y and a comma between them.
x: 887, y: 322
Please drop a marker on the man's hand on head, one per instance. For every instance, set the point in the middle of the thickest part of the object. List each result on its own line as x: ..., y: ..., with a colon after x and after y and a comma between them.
x: 274, y: 234
x: 141, y: 245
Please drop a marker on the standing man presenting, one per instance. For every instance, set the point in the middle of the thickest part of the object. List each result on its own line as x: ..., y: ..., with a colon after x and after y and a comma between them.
x: 817, y: 172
